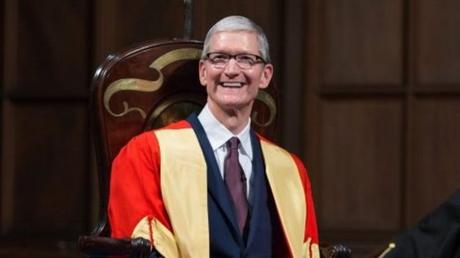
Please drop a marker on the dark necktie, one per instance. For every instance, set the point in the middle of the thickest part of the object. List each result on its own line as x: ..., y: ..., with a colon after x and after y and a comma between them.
x: 236, y: 182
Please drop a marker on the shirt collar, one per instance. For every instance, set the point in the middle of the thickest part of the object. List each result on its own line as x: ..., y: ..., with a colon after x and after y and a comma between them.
x: 218, y: 134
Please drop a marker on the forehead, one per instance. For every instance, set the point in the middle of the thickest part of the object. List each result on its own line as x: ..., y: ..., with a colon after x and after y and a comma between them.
x: 234, y: 42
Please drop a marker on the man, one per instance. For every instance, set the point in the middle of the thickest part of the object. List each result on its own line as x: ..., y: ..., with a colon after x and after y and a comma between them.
x: 209, y: 186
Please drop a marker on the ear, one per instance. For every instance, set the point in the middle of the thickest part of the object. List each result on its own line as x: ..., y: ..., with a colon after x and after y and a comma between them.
x: 266, y: 76
x: 202, y: 72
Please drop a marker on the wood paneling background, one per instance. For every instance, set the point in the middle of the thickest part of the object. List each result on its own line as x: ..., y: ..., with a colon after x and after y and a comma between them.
x: 382, y: 120
x: 370, y: 99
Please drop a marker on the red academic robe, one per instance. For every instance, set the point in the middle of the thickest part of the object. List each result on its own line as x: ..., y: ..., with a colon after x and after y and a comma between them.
x: 136, y: 195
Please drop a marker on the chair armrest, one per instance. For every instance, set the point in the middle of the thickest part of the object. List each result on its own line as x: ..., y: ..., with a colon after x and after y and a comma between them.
x: 95, y: 246
x: 335, y: 251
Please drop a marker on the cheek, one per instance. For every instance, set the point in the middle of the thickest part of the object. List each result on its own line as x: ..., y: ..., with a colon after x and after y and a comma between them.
x: 209, y: 77
x: 256, y: 81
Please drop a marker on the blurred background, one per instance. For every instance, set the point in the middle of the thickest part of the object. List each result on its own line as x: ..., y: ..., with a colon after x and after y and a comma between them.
x: 370, y: 99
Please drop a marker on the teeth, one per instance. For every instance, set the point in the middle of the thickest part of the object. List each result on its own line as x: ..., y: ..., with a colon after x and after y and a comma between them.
x: 232, y: 84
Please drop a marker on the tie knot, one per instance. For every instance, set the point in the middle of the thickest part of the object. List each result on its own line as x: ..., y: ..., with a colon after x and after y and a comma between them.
x: 233, y: 143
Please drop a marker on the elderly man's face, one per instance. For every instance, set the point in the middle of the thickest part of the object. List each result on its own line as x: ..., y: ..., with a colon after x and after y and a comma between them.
x: 231, y: 86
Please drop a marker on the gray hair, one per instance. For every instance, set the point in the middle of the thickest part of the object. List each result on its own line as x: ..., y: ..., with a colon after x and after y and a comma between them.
x: 238, y: 23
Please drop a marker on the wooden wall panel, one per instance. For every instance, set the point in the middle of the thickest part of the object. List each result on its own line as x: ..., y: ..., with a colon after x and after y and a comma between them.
x: 2, y: 43
x: 2, y: 79
x: 438, y: 41
x: 51, y: 45
x: 155, y: 19
x: 362, y: 42
x: 435, y: 166
x: 47, y: 147
x: 120, y: 24
x: 360, y: 164
x: 44, y: 167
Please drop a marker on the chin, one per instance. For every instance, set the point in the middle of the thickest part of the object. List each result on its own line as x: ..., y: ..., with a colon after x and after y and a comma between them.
x: 236, y: 105
x: 232, y: 102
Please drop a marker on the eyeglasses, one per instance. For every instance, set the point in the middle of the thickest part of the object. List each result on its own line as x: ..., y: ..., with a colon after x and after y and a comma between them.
x: 244, y: 61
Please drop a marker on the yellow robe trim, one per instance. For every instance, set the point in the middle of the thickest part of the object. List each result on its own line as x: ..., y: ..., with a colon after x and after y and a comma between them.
x: 163, y: 239
x: 184, y: 190
x: 310, y: 250
x: 315, y: 251
x: 287, y: 188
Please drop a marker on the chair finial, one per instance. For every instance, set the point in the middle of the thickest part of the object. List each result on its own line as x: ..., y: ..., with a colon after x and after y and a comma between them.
x: 188, y: 11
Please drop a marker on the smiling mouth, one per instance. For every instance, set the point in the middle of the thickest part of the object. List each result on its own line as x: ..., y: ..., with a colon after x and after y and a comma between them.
x: 232, y: 84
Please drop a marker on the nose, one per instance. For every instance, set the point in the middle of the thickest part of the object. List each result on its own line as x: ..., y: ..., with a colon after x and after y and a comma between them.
x: 232, y: 69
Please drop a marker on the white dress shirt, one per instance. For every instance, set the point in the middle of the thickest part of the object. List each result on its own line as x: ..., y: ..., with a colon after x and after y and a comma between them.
x: 218, y: 135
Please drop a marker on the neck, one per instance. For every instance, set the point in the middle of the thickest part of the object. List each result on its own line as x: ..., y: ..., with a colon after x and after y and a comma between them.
x: 233, y: 119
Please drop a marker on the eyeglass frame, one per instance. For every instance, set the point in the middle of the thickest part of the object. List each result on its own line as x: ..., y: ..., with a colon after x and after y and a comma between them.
x: 258, y: 60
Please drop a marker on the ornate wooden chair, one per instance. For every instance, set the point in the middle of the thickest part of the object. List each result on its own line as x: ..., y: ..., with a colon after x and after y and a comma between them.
x: 142, y: 88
